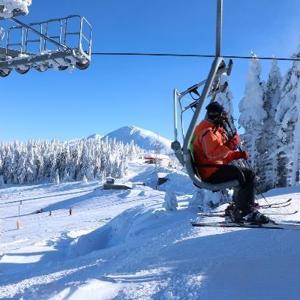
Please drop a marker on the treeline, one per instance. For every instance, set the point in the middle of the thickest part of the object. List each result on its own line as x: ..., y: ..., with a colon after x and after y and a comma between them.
x: 269, y: 113
x: 56, y: 161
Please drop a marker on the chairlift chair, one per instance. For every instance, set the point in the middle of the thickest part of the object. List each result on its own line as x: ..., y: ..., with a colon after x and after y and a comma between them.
x: 211, y: 87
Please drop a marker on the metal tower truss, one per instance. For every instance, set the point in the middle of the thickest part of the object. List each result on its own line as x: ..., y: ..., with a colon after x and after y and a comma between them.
x: 60, y: 44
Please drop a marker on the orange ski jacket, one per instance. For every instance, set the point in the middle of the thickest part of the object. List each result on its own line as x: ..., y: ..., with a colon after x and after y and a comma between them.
x: 209, y: 147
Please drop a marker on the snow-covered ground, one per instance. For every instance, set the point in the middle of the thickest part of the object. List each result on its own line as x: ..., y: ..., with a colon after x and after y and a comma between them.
x: 124, y: 245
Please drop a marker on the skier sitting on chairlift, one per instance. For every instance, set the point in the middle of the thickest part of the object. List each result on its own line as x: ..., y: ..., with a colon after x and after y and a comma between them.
x: 213, y: 152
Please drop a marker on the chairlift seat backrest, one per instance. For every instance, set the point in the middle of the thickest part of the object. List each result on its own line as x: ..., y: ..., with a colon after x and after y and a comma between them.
x: 194, y: 175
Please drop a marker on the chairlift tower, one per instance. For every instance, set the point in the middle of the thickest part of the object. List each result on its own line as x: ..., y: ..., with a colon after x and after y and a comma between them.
x: 61, y: 43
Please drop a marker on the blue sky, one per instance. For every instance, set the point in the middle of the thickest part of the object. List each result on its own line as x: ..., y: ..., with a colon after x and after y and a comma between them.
x: 118, y: 91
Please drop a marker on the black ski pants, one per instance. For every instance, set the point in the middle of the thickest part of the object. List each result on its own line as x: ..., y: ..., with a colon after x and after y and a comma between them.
x: 244, y: 195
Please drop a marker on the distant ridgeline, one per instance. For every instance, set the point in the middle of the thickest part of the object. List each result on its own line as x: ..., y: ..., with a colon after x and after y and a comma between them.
x: 270, y: 115
x: 43, y: 161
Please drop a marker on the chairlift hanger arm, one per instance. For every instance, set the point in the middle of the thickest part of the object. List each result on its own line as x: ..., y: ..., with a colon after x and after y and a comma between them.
x: 213, y: 72
x: 211, y: 87
x: 219, y: 28
x: 191, y: 105
x: 191, y: 89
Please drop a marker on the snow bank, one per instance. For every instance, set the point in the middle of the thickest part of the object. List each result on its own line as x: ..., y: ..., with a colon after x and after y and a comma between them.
x: 204, y: 200
x: 90, y: 290
x: 177, y: 181
x: 112, y: 234
x: 9, y: 8
x: 131, y: 225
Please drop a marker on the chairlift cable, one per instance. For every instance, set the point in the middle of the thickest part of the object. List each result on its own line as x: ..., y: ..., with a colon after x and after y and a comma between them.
x: 185, y: 55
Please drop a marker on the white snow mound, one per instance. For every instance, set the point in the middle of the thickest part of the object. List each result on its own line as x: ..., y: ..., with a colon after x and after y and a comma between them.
x: 132, y: 224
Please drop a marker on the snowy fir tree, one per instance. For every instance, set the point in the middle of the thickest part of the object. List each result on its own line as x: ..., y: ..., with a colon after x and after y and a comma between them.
x: 252, y: 113
x: 269, y: 113
x: 288, y: 120
x: 57, y: 179
x: 43, y: 161
x: 268, y: 142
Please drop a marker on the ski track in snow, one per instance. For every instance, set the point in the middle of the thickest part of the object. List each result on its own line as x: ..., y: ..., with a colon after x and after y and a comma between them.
x: 124, y: 245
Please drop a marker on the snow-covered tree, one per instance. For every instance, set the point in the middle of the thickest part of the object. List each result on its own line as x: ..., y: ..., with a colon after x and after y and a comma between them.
x: 57, y: 179
x: 287, y: 118
x: 282, y: 175
x: 84, y: 179
x: 31, y: 165
x: 37, y: 161
x: 268, y: 141
x: 170, y: 201
x: 9, y: 7
x: 2, y: 183
x: 252, y: 113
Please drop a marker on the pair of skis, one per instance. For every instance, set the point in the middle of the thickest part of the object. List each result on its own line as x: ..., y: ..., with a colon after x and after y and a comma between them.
x: 285, y: 203
x: 271, y: 225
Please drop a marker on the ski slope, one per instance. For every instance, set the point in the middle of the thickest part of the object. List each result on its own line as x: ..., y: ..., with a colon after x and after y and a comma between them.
x: 124, y: 245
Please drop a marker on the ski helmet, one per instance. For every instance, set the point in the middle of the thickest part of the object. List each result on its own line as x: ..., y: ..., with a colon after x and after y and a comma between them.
x: 214, y: 110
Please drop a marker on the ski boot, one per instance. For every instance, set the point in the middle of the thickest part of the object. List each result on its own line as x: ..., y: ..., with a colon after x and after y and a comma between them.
x: 256, y: 218
x: 256, y: 205
x: 233, y: 214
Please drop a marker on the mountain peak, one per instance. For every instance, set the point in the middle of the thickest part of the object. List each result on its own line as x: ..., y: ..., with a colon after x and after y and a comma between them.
x: 95, y: 136
x: 144, y: 138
